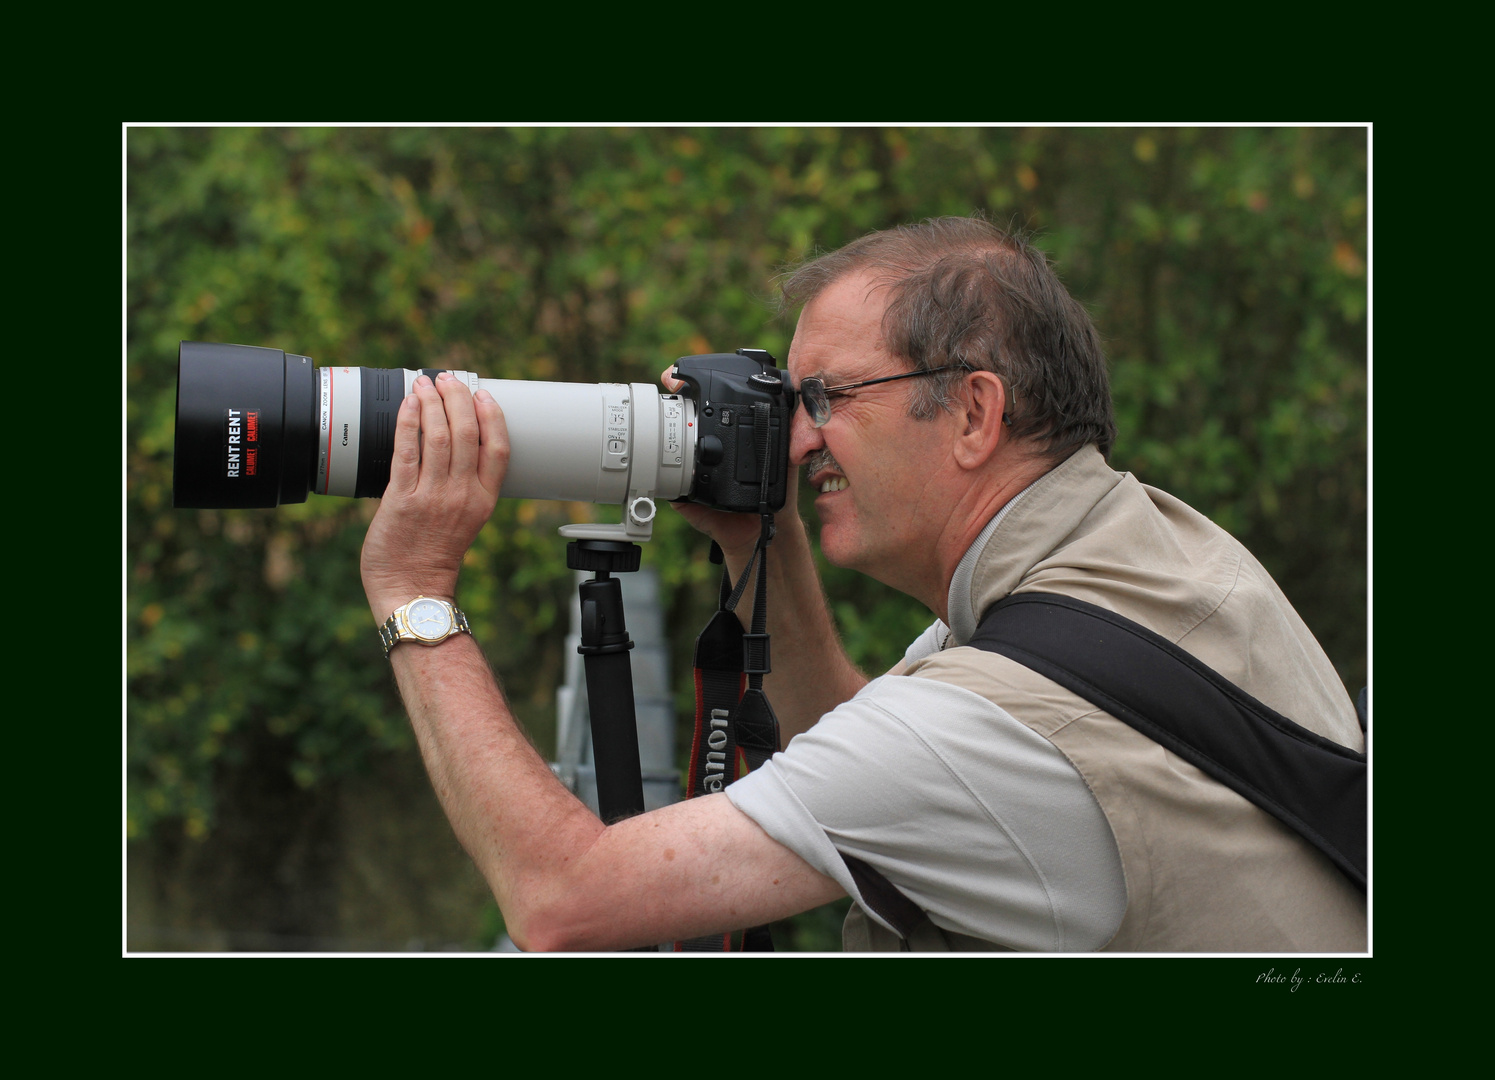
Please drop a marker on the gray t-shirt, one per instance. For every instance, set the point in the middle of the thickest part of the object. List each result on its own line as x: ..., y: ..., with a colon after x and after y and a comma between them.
x: 976, y: 818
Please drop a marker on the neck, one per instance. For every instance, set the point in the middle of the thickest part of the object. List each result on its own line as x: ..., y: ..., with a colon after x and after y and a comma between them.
x: 973, y: 511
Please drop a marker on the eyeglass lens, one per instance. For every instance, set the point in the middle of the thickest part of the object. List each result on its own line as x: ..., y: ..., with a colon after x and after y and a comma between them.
x: 817, y: 404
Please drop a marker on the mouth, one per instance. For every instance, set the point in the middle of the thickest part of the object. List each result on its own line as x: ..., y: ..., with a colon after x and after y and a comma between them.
x: 824, y: 474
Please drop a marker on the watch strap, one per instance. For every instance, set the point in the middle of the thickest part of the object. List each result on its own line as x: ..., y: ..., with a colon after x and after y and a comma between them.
x: 390, y: 633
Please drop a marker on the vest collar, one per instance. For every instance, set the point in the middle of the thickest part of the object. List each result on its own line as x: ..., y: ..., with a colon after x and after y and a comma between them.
x: 1028, y: 527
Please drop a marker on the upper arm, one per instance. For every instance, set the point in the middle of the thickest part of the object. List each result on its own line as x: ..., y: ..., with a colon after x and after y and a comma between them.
x: 972, y: 815
x: 696, y: 867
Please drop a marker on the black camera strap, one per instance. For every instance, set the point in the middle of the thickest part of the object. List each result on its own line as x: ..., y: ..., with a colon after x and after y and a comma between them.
x: 736, y: 729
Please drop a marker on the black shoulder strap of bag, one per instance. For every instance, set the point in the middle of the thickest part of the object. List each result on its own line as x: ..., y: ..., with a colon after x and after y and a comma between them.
x: 1309, y: 783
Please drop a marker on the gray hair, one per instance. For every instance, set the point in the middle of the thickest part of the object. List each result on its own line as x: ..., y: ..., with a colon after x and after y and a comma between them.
x: 966, y: 292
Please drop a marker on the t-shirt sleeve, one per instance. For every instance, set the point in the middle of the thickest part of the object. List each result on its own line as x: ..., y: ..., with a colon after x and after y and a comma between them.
x: 976, y: 818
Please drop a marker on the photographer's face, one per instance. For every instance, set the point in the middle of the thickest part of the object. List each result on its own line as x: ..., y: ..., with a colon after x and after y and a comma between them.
x: 872, y: 465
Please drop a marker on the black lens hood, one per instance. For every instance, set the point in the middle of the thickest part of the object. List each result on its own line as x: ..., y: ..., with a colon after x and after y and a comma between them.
x: 244, y: 426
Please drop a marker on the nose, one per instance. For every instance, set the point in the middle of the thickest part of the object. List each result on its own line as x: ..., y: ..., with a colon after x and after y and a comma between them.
x: 804, y: 437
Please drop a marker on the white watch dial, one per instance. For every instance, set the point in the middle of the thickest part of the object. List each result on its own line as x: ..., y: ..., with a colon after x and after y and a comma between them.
x: 428, y: 619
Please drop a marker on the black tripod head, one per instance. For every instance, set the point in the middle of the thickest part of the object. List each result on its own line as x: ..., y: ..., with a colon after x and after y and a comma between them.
x: 603, y: 557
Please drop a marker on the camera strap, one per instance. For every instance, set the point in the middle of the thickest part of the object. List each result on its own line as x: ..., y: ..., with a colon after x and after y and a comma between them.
x: 736, y: 729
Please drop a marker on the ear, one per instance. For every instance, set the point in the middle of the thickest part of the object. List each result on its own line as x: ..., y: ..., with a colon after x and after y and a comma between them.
x: 979, y: 415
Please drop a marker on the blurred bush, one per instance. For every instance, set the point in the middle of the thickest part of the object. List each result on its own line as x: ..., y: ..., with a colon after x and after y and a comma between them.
x: 1225, y: 268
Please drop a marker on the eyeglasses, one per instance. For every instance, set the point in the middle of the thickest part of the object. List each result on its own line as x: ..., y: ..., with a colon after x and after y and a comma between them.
x: 816, y: 395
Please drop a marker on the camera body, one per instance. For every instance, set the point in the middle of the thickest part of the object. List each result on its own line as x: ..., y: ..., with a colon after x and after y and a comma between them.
x: 742, y: 402
x: 259, y: 427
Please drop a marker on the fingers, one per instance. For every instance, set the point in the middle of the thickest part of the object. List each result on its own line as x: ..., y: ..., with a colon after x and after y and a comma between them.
x: 435, y: 433
x: 447, y: 434
x: 462, y: 422
x: 668, y: 379
x: 493, y: 453
x: 404, y: 466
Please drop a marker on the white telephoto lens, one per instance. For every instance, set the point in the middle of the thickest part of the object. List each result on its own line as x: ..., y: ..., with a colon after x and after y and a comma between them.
x: 574, y: 442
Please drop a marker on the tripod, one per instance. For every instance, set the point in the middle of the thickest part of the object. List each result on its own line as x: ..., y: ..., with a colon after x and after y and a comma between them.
x: 604, y: 648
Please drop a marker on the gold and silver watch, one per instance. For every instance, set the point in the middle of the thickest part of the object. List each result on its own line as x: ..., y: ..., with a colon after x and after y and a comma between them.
x: 426, y: 620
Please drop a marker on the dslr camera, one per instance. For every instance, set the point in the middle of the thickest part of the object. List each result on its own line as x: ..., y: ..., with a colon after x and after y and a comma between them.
x: 258, y: 427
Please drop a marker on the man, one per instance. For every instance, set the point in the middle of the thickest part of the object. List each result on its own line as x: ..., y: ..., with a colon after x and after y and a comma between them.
x: 956, y: 416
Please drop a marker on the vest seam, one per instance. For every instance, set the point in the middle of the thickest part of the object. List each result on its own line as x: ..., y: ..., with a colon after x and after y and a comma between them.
x: 1124, y: 794
x: 1235, y: 583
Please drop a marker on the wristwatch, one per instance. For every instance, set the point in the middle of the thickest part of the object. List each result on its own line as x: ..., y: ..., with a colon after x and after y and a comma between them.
x: 426, y: 620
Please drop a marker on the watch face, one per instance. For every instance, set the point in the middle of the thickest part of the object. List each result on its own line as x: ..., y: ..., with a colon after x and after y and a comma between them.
x: 429, y: 619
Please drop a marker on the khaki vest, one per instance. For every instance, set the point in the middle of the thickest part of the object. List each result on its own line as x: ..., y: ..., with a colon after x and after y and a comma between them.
x: 1205, y: 869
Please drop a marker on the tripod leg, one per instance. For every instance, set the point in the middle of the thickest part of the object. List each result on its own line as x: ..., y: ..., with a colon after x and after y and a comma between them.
x: 604, y: 647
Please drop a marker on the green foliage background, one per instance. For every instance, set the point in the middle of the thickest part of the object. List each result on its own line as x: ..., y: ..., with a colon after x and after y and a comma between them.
x: 1225, y: 268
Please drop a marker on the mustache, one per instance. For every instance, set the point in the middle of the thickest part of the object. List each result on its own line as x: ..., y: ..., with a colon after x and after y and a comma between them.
x: 820, y: 461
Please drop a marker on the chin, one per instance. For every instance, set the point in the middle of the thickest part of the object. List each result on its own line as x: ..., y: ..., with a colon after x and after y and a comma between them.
x: 838, y: 549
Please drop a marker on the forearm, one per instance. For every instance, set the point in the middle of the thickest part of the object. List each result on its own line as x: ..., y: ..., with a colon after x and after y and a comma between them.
x: 522, y: 828
x: 811, y: 672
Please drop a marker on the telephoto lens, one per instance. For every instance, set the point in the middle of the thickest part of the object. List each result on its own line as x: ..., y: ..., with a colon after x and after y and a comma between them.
x: 261, y: 427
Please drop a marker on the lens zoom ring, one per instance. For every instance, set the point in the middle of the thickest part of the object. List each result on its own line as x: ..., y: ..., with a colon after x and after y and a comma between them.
x: 383, y: 390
